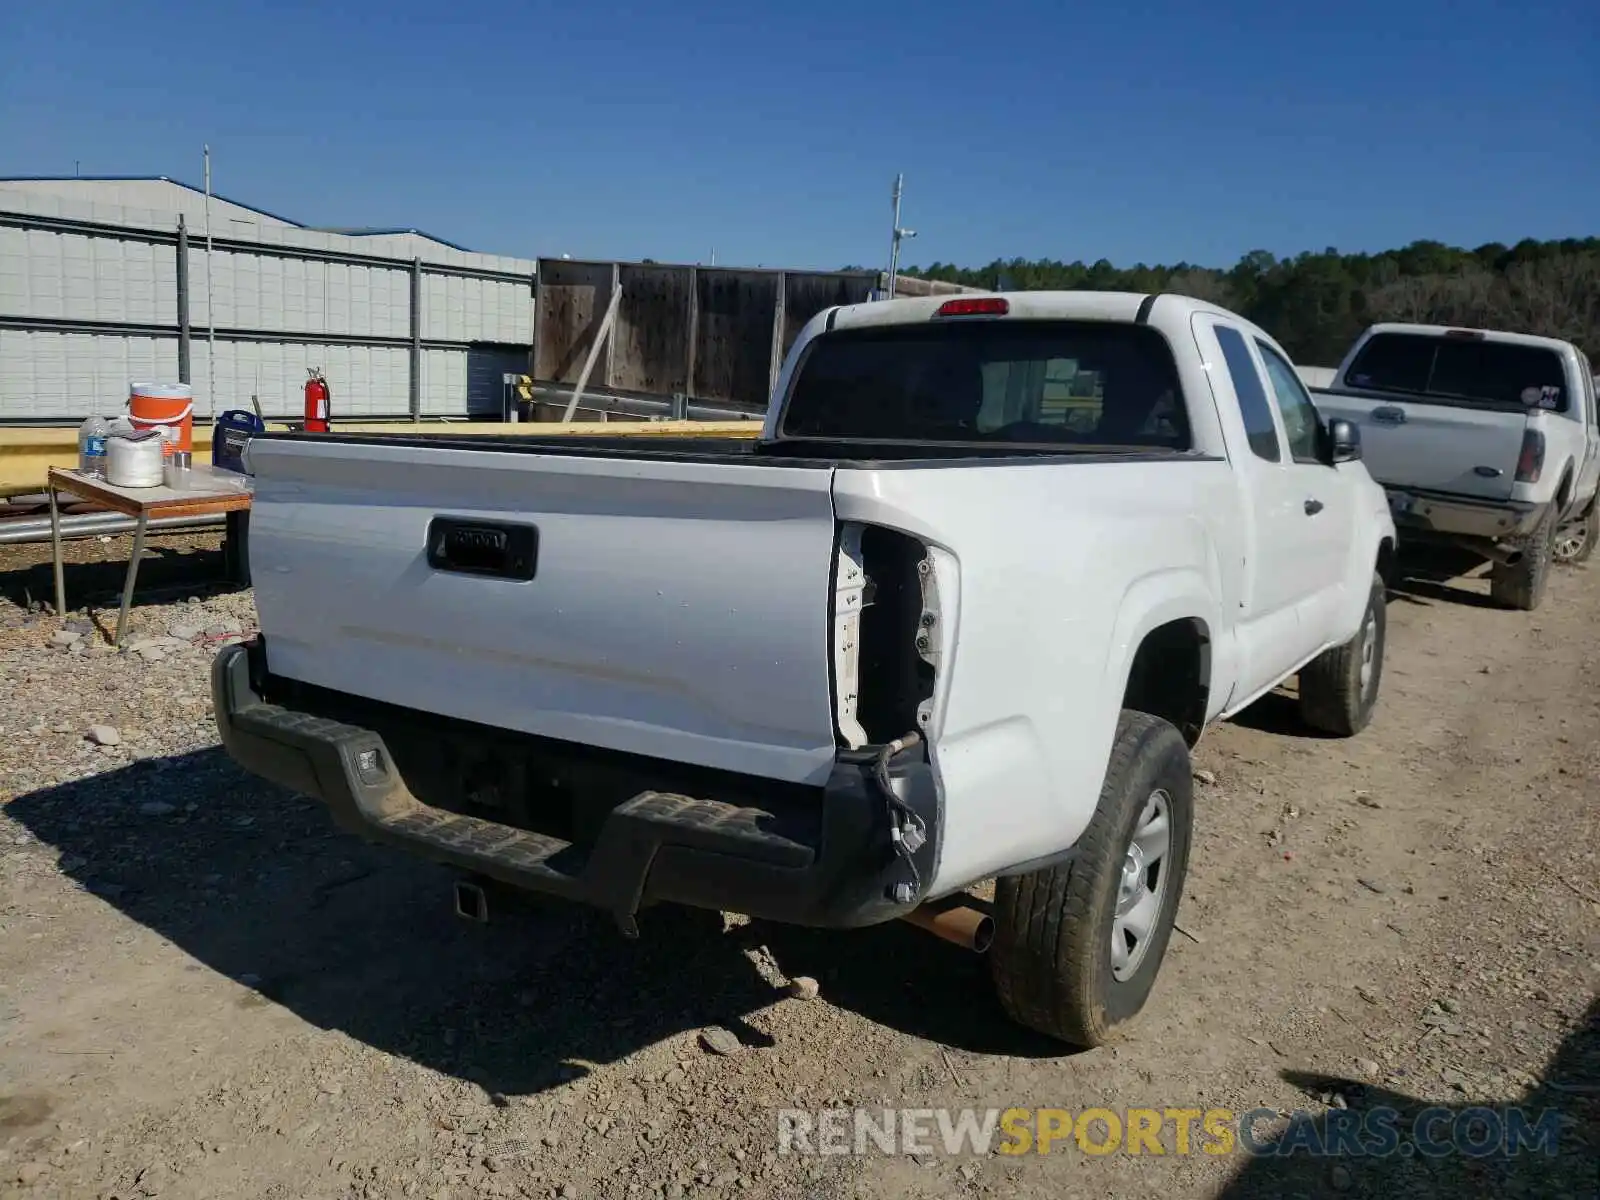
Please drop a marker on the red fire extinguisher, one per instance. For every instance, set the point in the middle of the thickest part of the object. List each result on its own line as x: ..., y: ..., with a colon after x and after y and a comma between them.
x: 318, y: 397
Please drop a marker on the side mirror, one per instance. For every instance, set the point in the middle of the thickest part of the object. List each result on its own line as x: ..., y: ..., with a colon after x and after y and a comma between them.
x: 1344, y: 441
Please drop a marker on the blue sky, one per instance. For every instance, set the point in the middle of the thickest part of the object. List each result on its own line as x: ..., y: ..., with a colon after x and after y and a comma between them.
x: 771, y: 132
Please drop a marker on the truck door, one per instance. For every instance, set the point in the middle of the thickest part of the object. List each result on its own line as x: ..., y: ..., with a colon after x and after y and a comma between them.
x: 1328, y: 499
x: 1589, y: 472
x: 1279, y: 581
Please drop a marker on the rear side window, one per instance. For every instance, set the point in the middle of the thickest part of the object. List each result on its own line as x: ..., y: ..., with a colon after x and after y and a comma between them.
x: 1033, y: 383
x: 1470, y: 371
x: 1300, y: 424
x: 1254, y: 406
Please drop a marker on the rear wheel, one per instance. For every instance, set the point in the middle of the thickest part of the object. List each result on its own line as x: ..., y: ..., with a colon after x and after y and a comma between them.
x: 1077, y: 945
x: 1521, y: 584
x: 1339, y: 688
x: 1575, y: 542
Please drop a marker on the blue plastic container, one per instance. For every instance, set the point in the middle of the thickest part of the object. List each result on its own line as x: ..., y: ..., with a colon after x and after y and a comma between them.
x: 232, y: 434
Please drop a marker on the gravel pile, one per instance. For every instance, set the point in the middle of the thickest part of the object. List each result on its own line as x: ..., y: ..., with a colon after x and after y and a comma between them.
x: 83, y: 706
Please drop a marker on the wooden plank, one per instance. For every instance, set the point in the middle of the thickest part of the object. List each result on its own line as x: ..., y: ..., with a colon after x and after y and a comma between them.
x: 691, y: 339
x: 611, y: 341
x: 733, y: 346
x: 906, y: 286
x: 776, y: 347
x: 573, y: 298
x: 533, y: 334
x: 600, y: 341
x: 808, y: 293
x: 652, y: 333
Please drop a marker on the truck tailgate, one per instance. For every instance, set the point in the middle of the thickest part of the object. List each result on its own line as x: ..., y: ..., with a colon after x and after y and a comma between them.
x: 1436, y: 447
x: 675, y: 609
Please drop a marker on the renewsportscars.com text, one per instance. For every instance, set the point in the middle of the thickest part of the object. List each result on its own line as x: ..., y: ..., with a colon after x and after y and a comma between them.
x: 1373, y: 1133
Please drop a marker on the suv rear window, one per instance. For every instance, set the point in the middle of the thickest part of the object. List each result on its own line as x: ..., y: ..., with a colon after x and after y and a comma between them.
x: 1461, y: 371
x: 1000, y: 382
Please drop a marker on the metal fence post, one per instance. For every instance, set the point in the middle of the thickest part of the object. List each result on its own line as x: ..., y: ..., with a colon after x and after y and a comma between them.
x: 416, y: 339
x: 183, y: 301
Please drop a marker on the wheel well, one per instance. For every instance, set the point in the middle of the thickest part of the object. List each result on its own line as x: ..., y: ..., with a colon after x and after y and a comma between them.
x: 1385, y: 563
x: 1171, y: 676
x: 1564, y: 492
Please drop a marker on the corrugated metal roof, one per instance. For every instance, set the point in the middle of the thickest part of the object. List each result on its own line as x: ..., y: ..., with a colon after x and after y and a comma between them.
x: 360, y: 231
x: 149, y: 179
x: 371, y: 231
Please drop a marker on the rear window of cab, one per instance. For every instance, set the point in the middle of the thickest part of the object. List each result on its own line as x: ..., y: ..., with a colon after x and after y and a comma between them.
x: 1461, y: 370
x: 1006, y: 382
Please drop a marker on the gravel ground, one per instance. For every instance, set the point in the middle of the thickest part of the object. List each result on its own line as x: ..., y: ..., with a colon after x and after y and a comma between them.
x: 207, y: 990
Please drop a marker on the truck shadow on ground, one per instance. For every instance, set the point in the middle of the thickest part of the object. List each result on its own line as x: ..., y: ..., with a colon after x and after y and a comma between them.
x: 1433, y: 574
x: 261, y: 887
x: 1445, y: 1151
x: 1425, y: 577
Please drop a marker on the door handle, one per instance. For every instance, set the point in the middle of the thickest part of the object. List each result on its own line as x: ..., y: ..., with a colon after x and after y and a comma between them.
x: 1389, y: 415
x: 1313, y: 507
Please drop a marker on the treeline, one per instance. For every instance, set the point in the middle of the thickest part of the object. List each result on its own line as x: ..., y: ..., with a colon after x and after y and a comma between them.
x: 1316, y: 304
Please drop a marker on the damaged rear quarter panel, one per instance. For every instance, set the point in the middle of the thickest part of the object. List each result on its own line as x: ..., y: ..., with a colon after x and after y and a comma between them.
x: 1049, y: 575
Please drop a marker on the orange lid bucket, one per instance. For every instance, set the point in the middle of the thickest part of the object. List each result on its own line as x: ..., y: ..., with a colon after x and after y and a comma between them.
x: 167, y: 407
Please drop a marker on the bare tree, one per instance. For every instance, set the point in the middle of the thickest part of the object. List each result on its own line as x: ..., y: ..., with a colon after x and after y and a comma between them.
x: 1557, y: 297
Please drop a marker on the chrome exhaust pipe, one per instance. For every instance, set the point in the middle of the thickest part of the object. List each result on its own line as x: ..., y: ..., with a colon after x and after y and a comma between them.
x: 471, y: 902
x: 959, y: 924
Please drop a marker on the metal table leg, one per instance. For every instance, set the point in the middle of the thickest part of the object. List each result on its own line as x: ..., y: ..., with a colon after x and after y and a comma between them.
x: 55, y: 553
x: 133, y: 574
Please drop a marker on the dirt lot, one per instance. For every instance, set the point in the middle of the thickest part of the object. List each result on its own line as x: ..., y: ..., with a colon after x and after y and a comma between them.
x: 206, y: 990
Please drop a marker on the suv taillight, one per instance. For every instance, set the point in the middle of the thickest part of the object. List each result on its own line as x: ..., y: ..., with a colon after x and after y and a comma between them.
x: 1530, y: 463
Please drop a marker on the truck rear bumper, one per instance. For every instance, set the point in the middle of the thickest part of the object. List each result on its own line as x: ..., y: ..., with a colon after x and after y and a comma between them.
x: 820, y: 858
x: 1447, y: 515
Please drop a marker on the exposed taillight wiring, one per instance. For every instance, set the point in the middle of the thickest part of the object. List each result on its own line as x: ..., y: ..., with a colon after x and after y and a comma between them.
x: 907, y: 830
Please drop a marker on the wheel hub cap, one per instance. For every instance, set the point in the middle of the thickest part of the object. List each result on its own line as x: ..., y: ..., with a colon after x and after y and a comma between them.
x: 1132, y: 877
x: 1141, y: 886
x: 1369, y: 650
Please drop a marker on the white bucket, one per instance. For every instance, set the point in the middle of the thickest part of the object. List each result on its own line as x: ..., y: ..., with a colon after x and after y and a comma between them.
x: 134, y: 464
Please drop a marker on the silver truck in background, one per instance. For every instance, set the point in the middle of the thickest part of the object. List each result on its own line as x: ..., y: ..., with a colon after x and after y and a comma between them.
x: 1481, y: 438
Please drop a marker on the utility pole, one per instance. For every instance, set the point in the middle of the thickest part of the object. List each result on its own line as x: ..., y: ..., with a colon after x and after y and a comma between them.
x: 211, y: 298
x: 899, y: 234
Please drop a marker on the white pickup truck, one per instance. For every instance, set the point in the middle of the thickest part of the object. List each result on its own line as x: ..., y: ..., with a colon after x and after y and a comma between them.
x: 1482, y: 438
x: 957, y: 615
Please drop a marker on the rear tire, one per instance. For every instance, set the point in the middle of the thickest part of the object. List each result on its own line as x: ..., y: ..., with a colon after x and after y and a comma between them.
x: 1575, y: 544
x: 1339, y: 688
x: 1054, y: 959
x: 1522, y: 586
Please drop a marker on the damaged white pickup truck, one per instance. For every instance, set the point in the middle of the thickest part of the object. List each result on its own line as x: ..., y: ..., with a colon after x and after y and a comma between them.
x: 957, y: 615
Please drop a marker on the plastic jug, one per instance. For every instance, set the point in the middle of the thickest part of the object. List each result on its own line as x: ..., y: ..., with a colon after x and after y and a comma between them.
x: 232, y: 434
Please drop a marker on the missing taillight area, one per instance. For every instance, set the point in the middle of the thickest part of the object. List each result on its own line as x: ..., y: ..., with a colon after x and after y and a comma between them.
x: 886, y: 635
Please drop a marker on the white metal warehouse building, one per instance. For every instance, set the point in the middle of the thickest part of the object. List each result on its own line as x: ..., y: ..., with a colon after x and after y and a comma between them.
x: 104, y: 282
